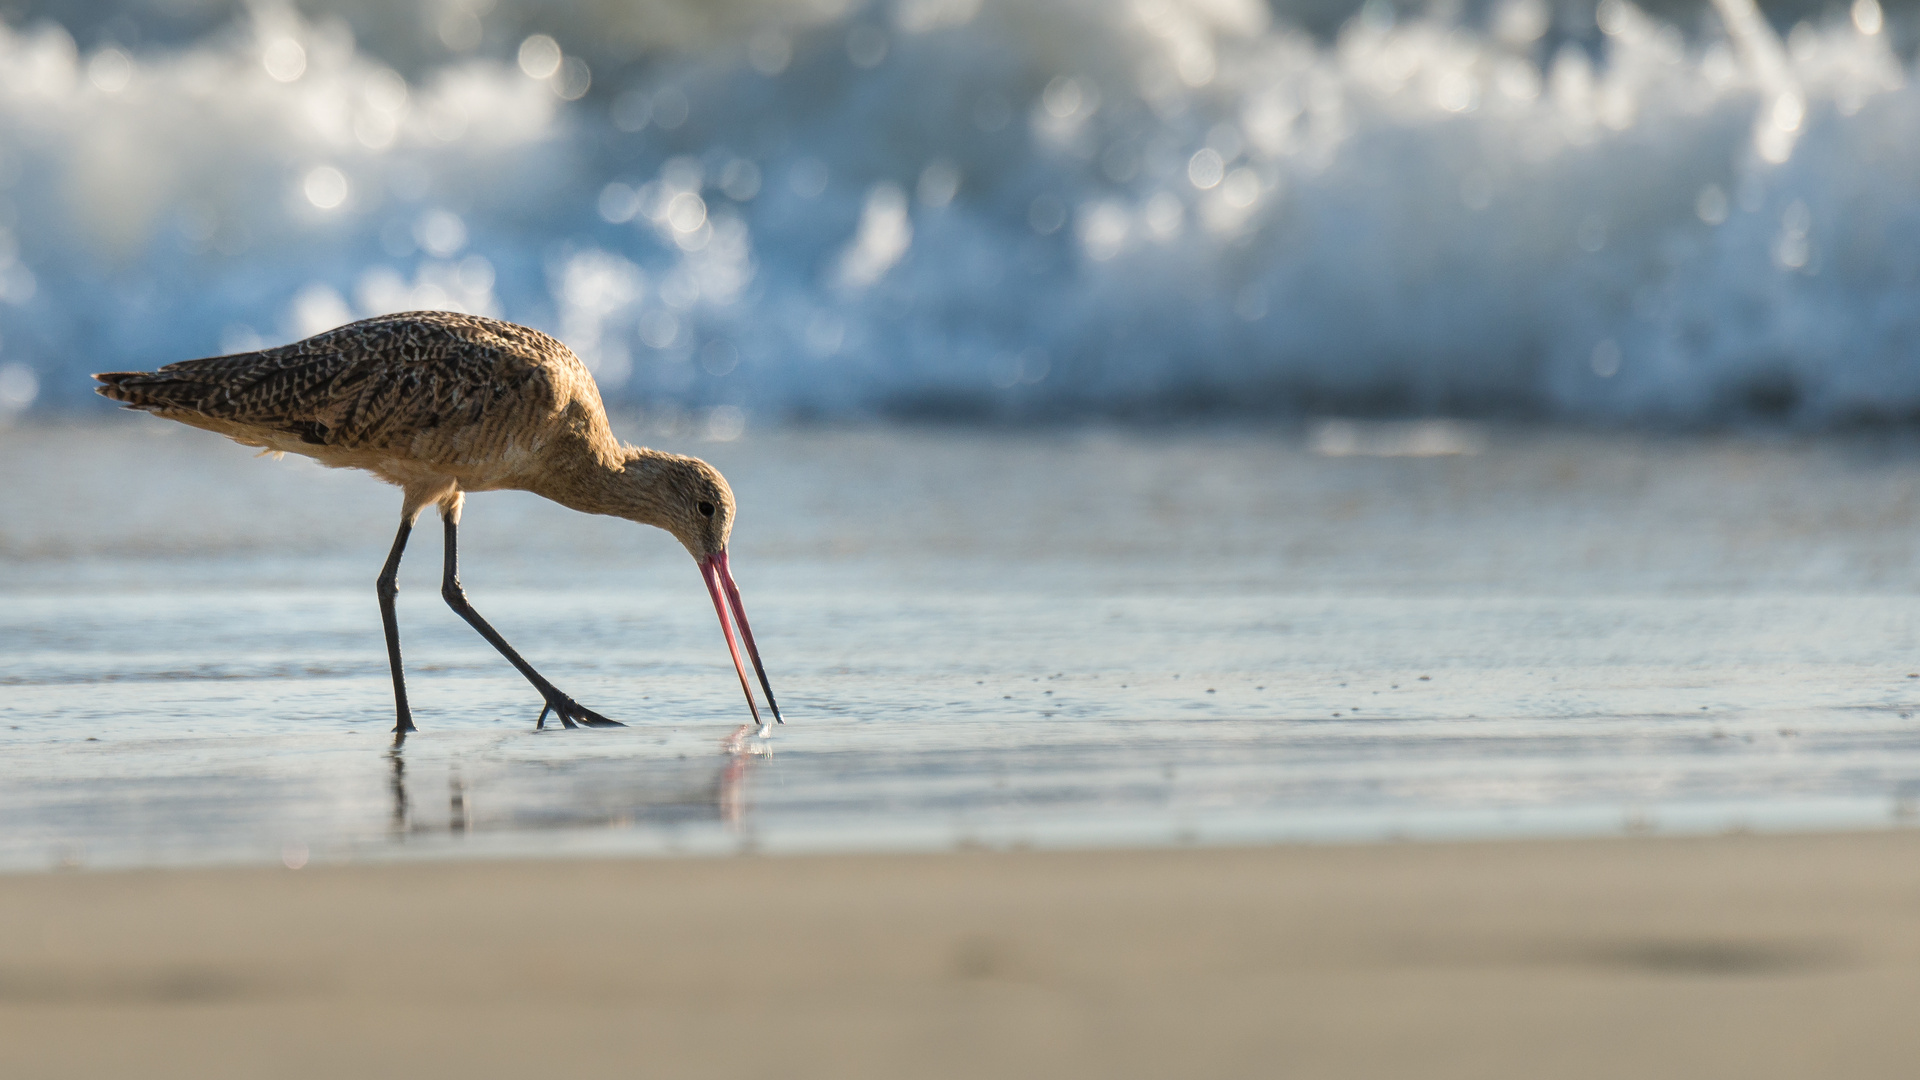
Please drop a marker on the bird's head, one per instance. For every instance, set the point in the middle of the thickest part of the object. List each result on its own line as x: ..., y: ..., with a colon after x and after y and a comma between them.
x: 690, y: 499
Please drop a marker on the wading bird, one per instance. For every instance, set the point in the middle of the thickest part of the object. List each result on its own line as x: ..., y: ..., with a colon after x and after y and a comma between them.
x: 442, y: 404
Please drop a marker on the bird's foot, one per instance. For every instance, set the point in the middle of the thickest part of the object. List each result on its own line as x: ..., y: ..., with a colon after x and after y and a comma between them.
x: 571, y: 713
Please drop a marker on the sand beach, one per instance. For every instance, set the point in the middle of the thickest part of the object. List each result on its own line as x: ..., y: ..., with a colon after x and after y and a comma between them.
x: 1736, y: 956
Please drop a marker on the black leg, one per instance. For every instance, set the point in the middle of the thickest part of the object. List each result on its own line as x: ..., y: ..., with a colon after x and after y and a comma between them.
x: 567, y: 709
x: 388, y: 586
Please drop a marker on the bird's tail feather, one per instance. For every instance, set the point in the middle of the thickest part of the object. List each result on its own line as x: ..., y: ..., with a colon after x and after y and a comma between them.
x: 186, y: 384
x: 126, y: 386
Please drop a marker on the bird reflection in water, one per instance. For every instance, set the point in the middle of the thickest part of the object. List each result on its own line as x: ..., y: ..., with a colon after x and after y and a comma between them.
x: 397, y: 824
x: 748, y: 741
x: 601, y: 793
x: 456, y: 803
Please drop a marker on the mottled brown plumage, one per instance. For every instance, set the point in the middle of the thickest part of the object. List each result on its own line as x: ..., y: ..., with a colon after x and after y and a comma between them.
x: 443, y: 404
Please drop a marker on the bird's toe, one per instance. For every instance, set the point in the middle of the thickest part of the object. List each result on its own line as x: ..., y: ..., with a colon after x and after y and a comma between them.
x: 592, y: 719
x: 573, y: 714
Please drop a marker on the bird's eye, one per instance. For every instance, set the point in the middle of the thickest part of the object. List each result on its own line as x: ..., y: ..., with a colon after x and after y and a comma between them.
x: 706, y: 508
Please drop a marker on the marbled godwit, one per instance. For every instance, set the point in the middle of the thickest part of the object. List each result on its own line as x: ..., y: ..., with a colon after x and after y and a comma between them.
x: 443, y: 404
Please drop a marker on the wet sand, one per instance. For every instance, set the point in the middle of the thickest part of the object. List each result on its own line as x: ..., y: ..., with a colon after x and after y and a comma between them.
x: 1737, y: 956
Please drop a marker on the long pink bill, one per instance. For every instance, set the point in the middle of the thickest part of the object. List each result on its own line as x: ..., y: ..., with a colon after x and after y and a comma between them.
x: 720, y: 579
x: 746, y: 634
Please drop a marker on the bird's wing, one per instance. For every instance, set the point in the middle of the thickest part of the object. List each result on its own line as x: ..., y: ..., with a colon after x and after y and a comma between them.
x: 367, y: 385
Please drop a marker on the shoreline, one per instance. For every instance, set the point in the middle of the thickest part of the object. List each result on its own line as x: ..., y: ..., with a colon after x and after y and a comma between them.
x: 1739, y: 955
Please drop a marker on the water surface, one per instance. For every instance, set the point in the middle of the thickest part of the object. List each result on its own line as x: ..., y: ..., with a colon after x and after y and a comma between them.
x: 980, y: 638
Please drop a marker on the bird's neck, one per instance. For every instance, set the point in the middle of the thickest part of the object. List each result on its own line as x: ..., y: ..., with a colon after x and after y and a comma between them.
x: 617, y: 480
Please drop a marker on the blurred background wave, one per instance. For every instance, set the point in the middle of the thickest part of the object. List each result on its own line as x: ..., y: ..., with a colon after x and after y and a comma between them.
x: 776, y: 210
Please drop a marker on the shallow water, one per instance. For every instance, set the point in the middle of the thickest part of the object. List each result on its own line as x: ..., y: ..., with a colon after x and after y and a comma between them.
x: 980, y: 638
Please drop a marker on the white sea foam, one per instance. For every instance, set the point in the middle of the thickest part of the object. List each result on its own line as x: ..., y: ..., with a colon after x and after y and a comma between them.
x: 997, y: 207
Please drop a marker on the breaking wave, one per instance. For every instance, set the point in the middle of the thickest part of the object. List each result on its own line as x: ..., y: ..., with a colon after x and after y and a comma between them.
x: 995, y: 207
